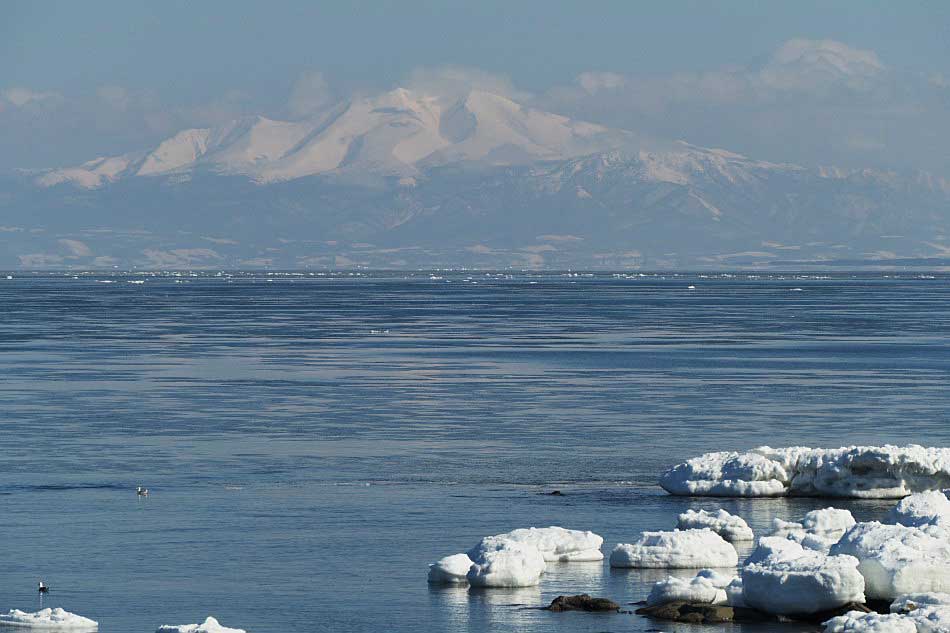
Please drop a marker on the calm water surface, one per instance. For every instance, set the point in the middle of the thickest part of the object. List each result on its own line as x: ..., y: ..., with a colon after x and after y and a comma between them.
x: 312, y: 442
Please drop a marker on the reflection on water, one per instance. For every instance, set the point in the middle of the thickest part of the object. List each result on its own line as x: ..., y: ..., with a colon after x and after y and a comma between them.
x: 310, y: 445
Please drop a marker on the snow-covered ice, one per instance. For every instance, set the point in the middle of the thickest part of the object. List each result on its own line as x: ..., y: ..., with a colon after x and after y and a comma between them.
x: 860, y: 622
x: 451, y: 570
x: 210, y: 625
x: 729, y: 526
x: 915, y: 613
x: 853, y: 472
x: 792, y: 579
x: 558, y: 544
x: 911, y: 601
x: 819, y: 530
x: 48, y: 619
x: 707, y: 587
x: 500, y: 562
x: 898, y: 559
x: 921, y: 509
x: 679, y: 549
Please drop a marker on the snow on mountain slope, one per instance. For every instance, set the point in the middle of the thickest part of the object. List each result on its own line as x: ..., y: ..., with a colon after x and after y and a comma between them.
x: 396, y: 133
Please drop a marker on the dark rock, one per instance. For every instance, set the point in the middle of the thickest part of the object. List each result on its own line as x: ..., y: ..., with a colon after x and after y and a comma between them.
x: 555, y: 493
x: 700, y: 613
x: 582, y: 602
x: 695, y: 613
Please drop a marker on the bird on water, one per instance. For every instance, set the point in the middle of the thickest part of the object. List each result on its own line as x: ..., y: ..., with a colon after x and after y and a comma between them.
x: 142, y: 492
x: 43, y: 588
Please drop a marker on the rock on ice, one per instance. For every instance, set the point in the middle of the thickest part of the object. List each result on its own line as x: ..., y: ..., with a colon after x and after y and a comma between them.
x: 210, y: 625
x: 795, y: 580
x: 729, y: 526
x: 897, y: 559
x: 505, y: 563
x: 559, y: 545
x: 451, y: 570
x: 856, y: 472
x: 48, y: 619
x: 707, y: 587
x: 676, y: 550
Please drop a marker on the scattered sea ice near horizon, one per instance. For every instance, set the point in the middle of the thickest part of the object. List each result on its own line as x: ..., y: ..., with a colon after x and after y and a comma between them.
x: 210, y: 625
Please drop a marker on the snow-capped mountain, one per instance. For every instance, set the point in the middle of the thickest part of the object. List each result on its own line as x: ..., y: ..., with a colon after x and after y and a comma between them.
x: 397, y: 133
x: 406, y: 179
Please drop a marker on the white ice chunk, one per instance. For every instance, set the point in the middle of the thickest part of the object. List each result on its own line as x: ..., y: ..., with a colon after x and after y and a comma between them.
x: 55, y: 619
x: 451, y: 570
x: 860, y: 622
x: 729, y: 526
x: 897, y: 559
x: 855, y: 471
x: 819, y: 530
x: 558, y: 544
x: 774, y: 549
x: 500, y: 562
x: 676, y: 550
x: 210, y: 625
x: 707, y: 587
x: 807, y: 583
x: 922, y: 508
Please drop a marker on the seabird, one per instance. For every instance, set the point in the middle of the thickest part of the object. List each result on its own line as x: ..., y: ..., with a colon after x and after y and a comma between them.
x: 43, y: 588
x: 142, y: 492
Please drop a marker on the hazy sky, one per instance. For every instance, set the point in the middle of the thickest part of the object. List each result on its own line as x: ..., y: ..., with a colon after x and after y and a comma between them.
x: 856, y: 83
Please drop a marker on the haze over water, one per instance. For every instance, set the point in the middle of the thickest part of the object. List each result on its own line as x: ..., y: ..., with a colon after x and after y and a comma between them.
x: 312, y: 442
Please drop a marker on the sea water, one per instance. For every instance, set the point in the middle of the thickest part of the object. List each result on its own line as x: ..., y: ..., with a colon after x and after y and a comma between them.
x: 312, y: 441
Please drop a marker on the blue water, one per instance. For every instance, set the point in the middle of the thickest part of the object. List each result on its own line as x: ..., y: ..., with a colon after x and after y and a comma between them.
x: 311, y: 442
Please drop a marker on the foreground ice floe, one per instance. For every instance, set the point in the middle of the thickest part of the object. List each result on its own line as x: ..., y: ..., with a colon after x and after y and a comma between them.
x: 679, y: 549
x: 789, y: 579
x: 707, y: 587
x: 898, y: 559
x: 913, y: 613
x: 48, y: 619
x: 559, y: 545
x: 922, y: 509
x: 819, y: 530
x: 511, y: 559
x: 856, y: 471
x: 451, y: 570
x: 505, y: 563
x: 729, y: 526
x: 210, y: 625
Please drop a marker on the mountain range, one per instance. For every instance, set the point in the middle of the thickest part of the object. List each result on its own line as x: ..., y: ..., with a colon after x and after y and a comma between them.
x: 407, y: 179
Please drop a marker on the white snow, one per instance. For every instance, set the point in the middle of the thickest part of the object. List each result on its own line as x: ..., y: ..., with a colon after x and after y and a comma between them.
x: 921, y: 509
x: 500, y: 562
x: 678, y: 549
x: 909, y: 602
x: 897, y: 559
x: 47, y: 619
x: 819, y: 530
x: 451, y: 570
x: 915, y: 613
x: 792, y: 579
x: 559, y: 545
x: 729, y: 526
x: 855, y: 472
x: 210, y: 625
x: 400, y: 132
x: 707, y: 587
x: 860, y: 622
